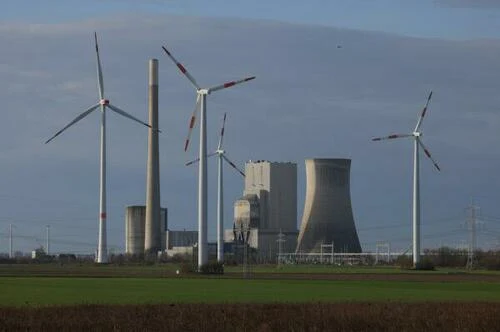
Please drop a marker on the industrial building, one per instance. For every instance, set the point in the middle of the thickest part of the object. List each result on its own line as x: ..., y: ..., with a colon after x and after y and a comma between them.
x: 182, y: 238
x: 267, y: 209
x: 135, y: 226
x: 328, y: 217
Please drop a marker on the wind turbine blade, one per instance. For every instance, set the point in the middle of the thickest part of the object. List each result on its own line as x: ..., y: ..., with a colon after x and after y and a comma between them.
x: 182, y: 68
x: 233, y: 165
x: 192, y: 161
x: 198, y: 159
x: 428, y: 154
x: 221, y: 137
x: 125, y: 114
x: 99, y: 69
x: 391, y: 137
x: 192, y: 122
x: 78, y: 118
x: 421, y: 118
x: 229, y: 84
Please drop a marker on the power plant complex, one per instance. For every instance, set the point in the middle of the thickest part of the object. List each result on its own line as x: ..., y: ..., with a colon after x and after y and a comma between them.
x: 265, y: 217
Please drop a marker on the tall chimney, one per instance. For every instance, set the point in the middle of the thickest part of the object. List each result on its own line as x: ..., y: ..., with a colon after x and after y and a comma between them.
x: 152, y: 235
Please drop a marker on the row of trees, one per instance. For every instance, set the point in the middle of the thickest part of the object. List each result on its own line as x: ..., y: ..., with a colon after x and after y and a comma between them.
x: 450, y: 257
x: 440, y: 257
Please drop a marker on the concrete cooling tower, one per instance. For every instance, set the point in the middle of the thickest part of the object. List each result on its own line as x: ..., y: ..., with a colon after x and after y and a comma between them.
x: 135, y: 229
x: 327, y: 214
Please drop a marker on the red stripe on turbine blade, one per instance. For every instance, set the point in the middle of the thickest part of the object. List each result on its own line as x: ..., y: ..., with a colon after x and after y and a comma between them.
x: 222, y: 132
x: 191, y: 123
x: 229, y: 84
x: 186, y: 145
x: 376, y: 139
x: 392, y: 136
x: 427, y: 153
x: 249, y: 78
x: 437, y: 167
x: 181, y: 68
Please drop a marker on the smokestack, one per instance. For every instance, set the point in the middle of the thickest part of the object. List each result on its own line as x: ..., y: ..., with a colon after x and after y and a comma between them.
x: 152, y: 239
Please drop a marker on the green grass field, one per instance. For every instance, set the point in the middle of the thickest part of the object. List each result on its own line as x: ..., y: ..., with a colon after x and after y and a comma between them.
x: 54, y: 291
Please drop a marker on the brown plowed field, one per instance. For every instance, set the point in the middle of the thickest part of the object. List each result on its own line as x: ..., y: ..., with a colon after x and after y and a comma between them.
x: 389, y: 316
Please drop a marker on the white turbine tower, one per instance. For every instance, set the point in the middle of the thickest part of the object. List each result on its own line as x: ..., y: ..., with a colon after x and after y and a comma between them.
x: 417, y: 144
x: 201, y: 106
x: 220, y: 189
x: 103, y: 104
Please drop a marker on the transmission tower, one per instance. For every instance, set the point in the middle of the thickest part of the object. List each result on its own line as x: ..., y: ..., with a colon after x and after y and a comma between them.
x: 472, y: 222
x: 47, y: 246
x: 280, y: 240
x: 11, y: 254
x: 330, y: 254
x: 382, y: 245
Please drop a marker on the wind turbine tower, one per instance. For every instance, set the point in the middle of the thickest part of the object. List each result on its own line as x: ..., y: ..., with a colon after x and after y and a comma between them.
x: 201, y: 107
x: 220, y: 152
x: 417, y: 144
x: 103, y: 104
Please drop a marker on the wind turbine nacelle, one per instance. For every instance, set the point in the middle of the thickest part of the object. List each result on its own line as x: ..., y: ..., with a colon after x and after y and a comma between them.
x: 417, y: 134
x: 104, y: 102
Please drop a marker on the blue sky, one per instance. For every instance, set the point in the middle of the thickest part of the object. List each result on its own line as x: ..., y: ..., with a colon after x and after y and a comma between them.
x: 456, y: 19
x: 337, y: 99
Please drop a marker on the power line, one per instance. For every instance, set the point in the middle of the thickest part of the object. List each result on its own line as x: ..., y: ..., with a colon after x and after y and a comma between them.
x: 472, y: 221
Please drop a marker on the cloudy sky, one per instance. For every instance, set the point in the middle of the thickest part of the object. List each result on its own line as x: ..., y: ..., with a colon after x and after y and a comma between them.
x: 330, y: 76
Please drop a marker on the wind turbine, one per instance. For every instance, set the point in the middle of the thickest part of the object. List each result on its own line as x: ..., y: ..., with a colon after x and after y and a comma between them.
x: 417, y: 144
x: 220, y: 188
x: 103, y: 104
x: 201, y: 106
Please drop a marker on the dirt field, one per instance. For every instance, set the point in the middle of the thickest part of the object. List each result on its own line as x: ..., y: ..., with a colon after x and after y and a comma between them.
x: 257, y: 317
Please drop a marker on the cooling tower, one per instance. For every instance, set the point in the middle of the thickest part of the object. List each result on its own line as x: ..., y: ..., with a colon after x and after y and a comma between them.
x: 135, y: 217
x: 135, y: 229
x: 327, y: 214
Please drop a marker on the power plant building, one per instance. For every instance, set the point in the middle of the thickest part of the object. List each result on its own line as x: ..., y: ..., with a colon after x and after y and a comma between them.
x: 181, y: 238
x: 135, y: 226
x: 328, y: 217
x: 268, y: 207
